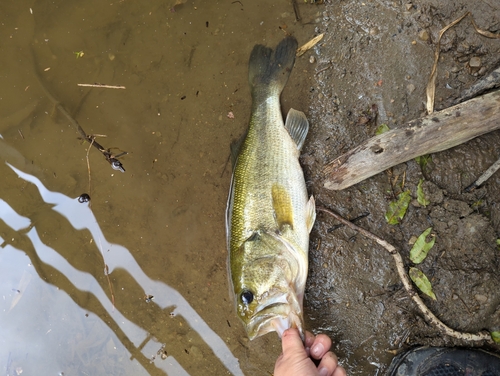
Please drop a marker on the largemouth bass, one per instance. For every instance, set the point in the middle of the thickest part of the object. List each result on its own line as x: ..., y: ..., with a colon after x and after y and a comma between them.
x: 269, y: 215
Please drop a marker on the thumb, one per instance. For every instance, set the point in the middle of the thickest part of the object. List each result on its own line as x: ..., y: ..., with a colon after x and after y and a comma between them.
x: 291, y: 343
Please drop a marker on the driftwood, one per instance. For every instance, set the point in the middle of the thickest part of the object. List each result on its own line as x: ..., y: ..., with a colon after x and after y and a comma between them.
x: 433, y: 133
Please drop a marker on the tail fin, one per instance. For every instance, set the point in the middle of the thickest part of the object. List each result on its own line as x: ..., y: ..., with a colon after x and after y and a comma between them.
x: 268, y: 69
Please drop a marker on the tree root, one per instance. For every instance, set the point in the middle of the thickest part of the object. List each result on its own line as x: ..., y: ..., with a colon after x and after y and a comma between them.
x: 403, y: 275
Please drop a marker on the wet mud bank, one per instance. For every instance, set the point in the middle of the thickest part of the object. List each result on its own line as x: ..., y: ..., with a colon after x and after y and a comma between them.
x: 371, y: 69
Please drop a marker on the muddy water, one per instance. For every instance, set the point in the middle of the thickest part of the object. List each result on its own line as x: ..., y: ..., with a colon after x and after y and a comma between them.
x: 158, y: 228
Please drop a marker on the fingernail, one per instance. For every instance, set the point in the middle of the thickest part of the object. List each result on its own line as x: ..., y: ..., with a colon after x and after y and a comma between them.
x: 323, y: 371
x: 318, y: 349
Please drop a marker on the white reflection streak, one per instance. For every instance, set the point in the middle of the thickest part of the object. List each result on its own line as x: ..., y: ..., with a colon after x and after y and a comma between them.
x: 80, y: 216
x: 82, y: 281
x: 14, y: 220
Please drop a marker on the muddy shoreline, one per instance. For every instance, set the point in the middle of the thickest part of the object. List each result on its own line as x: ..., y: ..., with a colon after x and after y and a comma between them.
x: 379, y: 54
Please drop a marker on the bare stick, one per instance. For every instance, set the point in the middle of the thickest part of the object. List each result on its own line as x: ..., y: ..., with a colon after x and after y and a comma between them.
x: 485, y: 176
x: 430, y: 134
x: 102, y: 86
x: 428, y: 315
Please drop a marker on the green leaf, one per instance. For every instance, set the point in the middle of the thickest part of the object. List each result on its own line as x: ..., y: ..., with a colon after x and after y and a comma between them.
x: 420, y: 249
x: 397, y: 209
x: 422, y: 200
x: 495, y: 336
x: 423, y: 160
x: 422, y: 282
x: 382, y: 128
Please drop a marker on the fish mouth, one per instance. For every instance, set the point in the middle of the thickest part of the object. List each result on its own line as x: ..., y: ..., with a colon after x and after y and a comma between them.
x: 277, y: 315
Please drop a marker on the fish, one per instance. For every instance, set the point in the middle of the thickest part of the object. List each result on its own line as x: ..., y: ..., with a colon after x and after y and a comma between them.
x: 269, y: 214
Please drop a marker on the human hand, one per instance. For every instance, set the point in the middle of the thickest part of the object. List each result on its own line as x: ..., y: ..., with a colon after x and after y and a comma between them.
x: 295, y: 360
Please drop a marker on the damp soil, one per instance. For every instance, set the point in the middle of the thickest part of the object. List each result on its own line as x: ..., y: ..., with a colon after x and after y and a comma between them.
x: 184, y: 66
x: 372, y: 69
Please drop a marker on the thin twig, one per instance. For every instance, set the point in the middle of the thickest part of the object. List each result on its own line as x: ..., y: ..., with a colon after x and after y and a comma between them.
x: 110, y: 284
x: 296, y: 10
x: 103, y: 86
x: 324, y: 69
x: 485, y: 176
x: 88, y: 168
x: 110, y: 158
x: 431, y: 86
x: 428, y: 315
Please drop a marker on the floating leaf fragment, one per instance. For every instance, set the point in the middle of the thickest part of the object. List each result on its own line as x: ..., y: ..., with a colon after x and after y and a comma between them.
x: 422, y: 200
x: 422, y: 282
x: 397, y: 209
x: 382, y: 129
x: 420, y: 249
x: 495, y: 336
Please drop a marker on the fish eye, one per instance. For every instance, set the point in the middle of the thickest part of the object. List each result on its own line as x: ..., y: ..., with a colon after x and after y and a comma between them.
x: 246, y: 297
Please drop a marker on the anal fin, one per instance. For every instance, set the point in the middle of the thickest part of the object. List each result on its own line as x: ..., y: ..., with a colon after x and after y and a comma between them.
x: 310, y: 213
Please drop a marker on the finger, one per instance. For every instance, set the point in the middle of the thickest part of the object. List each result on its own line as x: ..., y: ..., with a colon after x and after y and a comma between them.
x: 320, y: 346
x: 339, y: 371
x: 309, y: 342
x: 328, y: 364
x: 291, y: 343
x: 309, y: 339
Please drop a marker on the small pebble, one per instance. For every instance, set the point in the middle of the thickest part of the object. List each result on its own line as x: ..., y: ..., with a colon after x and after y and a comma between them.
x: 423, y: 35
x: 481, y: 298
x: 312, y: 59
x: 475, y: 62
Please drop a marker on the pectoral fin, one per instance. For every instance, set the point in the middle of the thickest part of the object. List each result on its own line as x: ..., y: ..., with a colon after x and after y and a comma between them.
x: 297, y: 126
x: 282, y: 205
x: 310, y: 213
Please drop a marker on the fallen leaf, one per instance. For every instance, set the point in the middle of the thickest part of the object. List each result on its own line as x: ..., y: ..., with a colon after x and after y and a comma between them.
x: 397, y: 209
x: 420, y: 249
x: 495, y: 336
x: 422, y: 200
x: 382, y: 128
x: 423, y: 160
x: 422, y: 282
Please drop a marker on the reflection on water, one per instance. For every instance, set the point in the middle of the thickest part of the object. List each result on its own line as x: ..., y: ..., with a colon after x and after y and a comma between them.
x: 81, y: 217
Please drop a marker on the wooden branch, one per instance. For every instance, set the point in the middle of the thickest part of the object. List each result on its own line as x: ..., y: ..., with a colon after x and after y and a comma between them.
x: 428, y: 315
x: 433, y: 133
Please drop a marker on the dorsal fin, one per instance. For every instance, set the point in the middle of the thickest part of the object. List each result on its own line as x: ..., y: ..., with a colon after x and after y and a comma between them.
x: 297, y: 126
